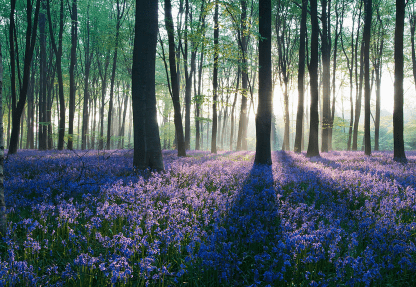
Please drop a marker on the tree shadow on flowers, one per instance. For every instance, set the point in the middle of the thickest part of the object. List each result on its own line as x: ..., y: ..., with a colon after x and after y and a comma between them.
x: 239, y: 240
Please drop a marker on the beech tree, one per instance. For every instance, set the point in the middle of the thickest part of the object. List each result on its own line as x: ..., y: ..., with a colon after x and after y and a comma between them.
x: 147, y: 149
x: 399, y: 154
x: 3, y: 220
x: 313, y: 145
x: 264, y: 110
x: 301, y: 78
x: 30, y: 40
x: 366, y: 36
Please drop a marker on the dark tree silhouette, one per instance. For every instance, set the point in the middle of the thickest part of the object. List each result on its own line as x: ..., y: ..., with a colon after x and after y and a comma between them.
x: 180, y: 140
x: 264, y: 109
x: 58, y: 56
x: 301, y: 78
x: 147, y: 149
x: 313, y: 145
x: 367, y: 88
x: 30, y: 40
x: 3, y: 219
x: 215, y: 83
x: 399, y: 154
x: 72, y: 88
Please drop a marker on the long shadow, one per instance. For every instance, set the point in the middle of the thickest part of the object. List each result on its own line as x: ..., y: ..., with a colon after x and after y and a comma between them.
x: 240, y: 237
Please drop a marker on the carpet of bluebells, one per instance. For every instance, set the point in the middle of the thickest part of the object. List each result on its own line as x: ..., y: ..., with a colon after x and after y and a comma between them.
x: 88, y: 219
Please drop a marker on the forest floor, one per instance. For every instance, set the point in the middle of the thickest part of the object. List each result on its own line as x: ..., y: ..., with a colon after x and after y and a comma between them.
x: 86, y: 218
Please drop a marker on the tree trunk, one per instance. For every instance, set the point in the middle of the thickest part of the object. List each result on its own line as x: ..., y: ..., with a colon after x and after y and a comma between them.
x: 367, y: 88
x: 120, y: 12
x: 359, y: 91
x: 88, y: 59
x: 313, y: 145
x: 174, y: 80
x: 3, y: 219
x: 243, y: 41
x: 264, y: 110
x: 215, y: 83
x: 399, y: 154
x: 30, y: 108
x: 30, y: 45
x: 58, y: 56
x: 233, y: 108
x: 72, y: 87
x: 301, y: 78
x: 43, y: 79
x: 147, y: 149
x: 326, y: 76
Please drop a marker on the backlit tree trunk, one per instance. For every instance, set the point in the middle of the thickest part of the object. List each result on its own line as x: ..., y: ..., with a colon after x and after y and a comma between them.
x: 313, y: 145
x: 215, y: 82
x: 399, y: 154
x: 367, y: 89
x: 264, y: 110
x: 147, y: 149
x: 301, y: 78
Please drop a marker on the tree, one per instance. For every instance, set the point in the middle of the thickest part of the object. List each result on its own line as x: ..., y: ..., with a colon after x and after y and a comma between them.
x: 313, y: 145
x: 58, y: 56
x: 3, y: 219
x: 399, y: 154
x: 72, y: 88
x: 43, y: 80
x: 30, y: 46
x: 88, y: 55
x: 215, y: 82
x: 174, y: 80
x: 301, y: 78
x: 264, y: 109
x: 326, y: 75
x: 147, y: 149
x: 367, y: 90
x: 119, y: 16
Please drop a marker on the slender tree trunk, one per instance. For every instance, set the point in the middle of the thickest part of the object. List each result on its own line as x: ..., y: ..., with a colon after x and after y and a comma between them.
x: 30, y: 45
x: 301, y: 78
x: 120, y: 12
x: 147, y: 149
x: 399, y: 154
x: 215, y: 82
x: 43, y: 79
x: 88, y: 59
x: 174, y: 80
x: 313, y: 145
x: 58, y: 55
x: 30, y: 107
x: 3, y: 218
x: 72, y: 87
x: 264, y: 110
x: 242, y: 126
x: 367, y: 88
x: 233, y: 108
x: 326, y: 76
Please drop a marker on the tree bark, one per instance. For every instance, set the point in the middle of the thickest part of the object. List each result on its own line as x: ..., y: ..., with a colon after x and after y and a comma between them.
x: 3, y: 218
x: 58, y: 56
x: 147, y: 149
x: 326, y: 76
x: 43, y: 79
x: 313, y: 145
x: 243, y: 41
x: 399, y: 154
x: 72, y: 87
x: 367, y: 88
x: 215, y: 83
x: 174, y: 80
x: 301, y: 78
x: 30, y: 45
x: 264, y: 110
x: 88, y: 59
